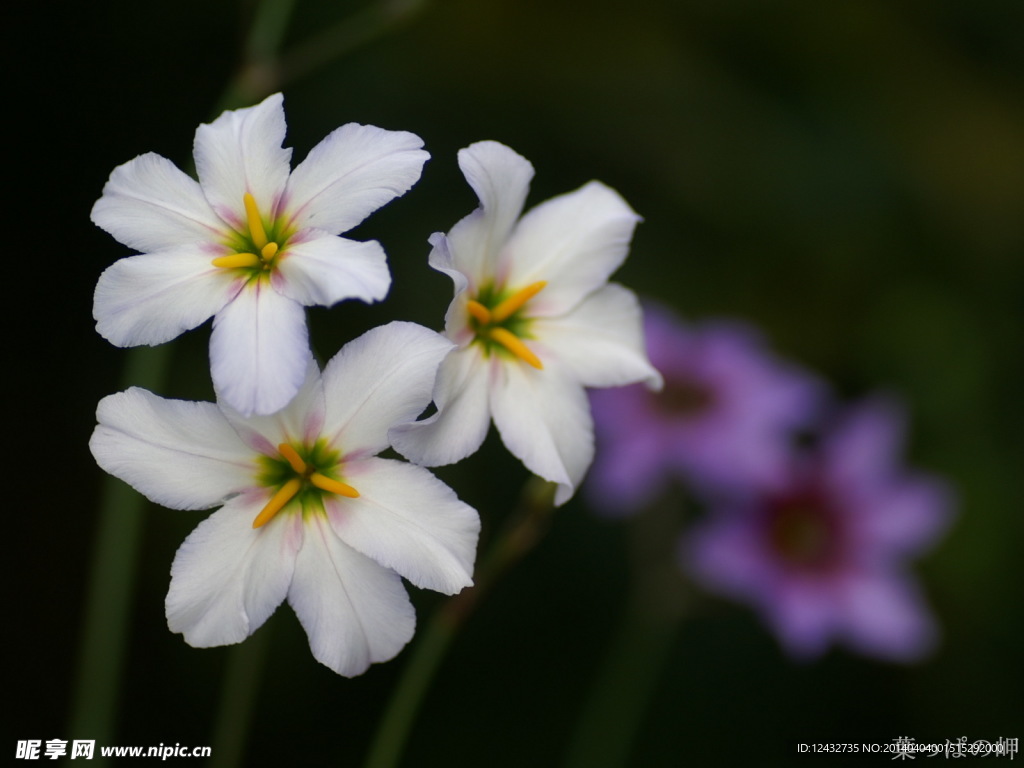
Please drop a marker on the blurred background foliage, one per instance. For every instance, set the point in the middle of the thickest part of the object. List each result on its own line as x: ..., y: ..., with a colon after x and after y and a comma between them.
x: 848, y: 176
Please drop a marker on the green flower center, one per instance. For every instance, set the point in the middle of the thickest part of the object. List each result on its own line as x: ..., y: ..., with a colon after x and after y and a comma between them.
x: 497, y: 321
x: 303, y: 474
x: 258, y: 249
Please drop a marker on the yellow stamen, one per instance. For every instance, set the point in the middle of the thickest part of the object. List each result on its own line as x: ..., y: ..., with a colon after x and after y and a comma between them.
x: 269, y: 251
x: 513, y: 344
x: 334, y: 486
x: 252, y: 213
x: 293, y: 458
x: 284, y: 494
x: 509, y: 306
x: 479, y: 311
x: 237, y: 260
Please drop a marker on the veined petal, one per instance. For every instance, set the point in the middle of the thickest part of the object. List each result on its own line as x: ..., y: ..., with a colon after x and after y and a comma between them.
x: 501, y: 179
x: 355, y: 612
x: 228, y: 577
x: 155, y: 297
x: 327, y: 269
x: 354, y: 171
x: 258, y: 350
x: 300, y: 421
x: 456, y: 321
x: 177, y: 453
x: 463, y: 415
x: 148, y: 204
x: 574, y: 242
x: 409, y: 521
x: 544, y: 420
x: 384, y: 377
x: 601, y: 340
x: 241, y: 152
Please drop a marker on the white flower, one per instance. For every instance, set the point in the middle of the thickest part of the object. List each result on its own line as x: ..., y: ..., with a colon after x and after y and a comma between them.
x: 310, y: 514
x: 534, y: 320
x: 250, y: 244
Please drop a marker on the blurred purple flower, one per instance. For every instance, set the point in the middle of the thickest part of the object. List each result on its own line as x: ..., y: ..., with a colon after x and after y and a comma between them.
x: 823, y: 556
x: 723, y: 419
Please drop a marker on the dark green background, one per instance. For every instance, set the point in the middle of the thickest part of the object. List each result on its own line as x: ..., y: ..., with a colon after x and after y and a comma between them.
x: 847, y: 175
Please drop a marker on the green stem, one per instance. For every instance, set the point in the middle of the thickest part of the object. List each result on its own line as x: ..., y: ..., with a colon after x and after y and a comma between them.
x: 260, y: 72
x: 615, y: 711
x: 394, y: 727
x: 242, y: 679
x: 521, y: 533
x: 351, y: 33
x: 111, y: 579
x: 612, y: 716
x: 266, y: 33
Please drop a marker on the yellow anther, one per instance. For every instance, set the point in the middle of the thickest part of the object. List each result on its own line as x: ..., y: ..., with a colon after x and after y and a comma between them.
x: 513, y: 344
x: 269, y: 251
x: 284, y: 494
x: 252, y: 213
x: 334, y: 486
x: 237, y: 260
x: 293, y: 458
x: 509, y: 306
x: 481, y: 313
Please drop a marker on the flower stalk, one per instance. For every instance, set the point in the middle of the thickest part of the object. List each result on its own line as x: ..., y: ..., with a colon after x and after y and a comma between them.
x: 624, y: 686
x: 521, y: 533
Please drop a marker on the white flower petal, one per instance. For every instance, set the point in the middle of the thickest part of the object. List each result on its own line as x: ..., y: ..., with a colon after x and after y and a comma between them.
x: 463, y: 415
x: 301, y: 421
x: 574, y: 242
x: 179, y: 454
x: 544, y: 420
x: 354, y: 171
x: 601, y: 340
x: 408, y: 520
x: 148, y: 204
x: 501, y: 179
x: 241, y: 152
x: 155, y: 297
x: 384, y: 377
x: 258, y: 350
x: 327, y: 269
x: 456, y: 320
x: 355, y: 612
x: 228, y: 577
